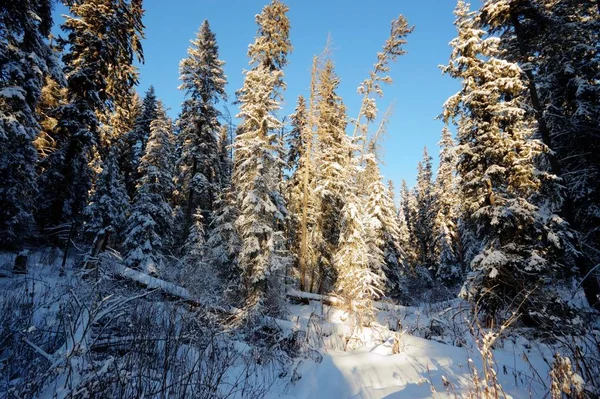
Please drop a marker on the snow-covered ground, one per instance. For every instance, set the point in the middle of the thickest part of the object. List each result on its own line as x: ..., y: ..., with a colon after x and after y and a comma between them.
x: 422, y: 368
x: 427, y: 351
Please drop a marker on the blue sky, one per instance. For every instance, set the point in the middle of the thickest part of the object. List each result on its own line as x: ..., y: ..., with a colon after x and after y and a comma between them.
x: 358, y: 29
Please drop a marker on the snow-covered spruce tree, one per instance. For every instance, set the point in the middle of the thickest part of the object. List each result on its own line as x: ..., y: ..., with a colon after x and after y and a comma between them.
x: 556, y: 43
x: 53, y: 95
x: 425, y: 213
x: 408, y: 212
x: 133, y: 143
x: 225, y: 161
x: 197, y: 274
x: 257, y: 165
x: 522, y: 243
x: 448, y: 249
x: 294, y: 185
x: 109, y: 203
x: 198, y: 169
x: 295, y: 138
x: 223, y: 244
x: 150, y: 223
x: 332, y: 182
x: 383, y: 231
x: 357, y: 283
x: 95, y: 47
x: 122, y: 77
x: 403, y: 232
x: 25, y: 59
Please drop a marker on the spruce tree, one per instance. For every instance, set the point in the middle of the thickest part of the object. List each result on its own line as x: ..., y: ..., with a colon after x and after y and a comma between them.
x: 223, y: 244
x: 25, y: 60
x: 109, y: 203
x: 408, y: 211
x: 133, y: 144
x: 96, y: 47
x: 382, y: 229
x: 448, y: 249
x: 225, y: 161
x: 332, y: 182
x: 257, y: 165
x: 150, y: 224
x: 555, y: 42
x: 199, y: 173
x: 425, y: 212
x: 357, y: 284
x: 522, y: 242
x: 295, y: 138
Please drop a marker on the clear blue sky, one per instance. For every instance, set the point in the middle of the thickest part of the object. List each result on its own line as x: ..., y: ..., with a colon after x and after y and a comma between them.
x: 358, y: 29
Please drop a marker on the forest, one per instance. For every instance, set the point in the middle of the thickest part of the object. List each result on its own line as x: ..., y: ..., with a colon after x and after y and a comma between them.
x: 263, y: 255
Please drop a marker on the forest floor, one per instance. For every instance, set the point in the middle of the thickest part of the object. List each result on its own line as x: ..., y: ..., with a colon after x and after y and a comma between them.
x: 56, y: 342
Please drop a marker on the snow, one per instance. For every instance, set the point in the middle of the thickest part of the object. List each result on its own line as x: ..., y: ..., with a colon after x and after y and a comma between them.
x: 406, y: 352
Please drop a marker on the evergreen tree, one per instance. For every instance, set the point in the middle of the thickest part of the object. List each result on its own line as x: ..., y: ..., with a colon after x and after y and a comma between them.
x: 25, y: 59
x: 133, y: 144
x: 199, y: 173
x: 223, y: 244
x: 54, y: 95
x: 195, y: 247
x: 332, y: 182
x: 150, y: 224
x: 357, y: 284
x: 382, y: 229
x: 109, y: 203
x: 446, y: 237
x: 425, y: 213
x: 225, y: 161
x: 257, y: 165
x: 556, y: 43
x: 408, y: 212
x: 296, y: 136
x: 522, y: 242
x: 97, y: 46
x: 297, y: 161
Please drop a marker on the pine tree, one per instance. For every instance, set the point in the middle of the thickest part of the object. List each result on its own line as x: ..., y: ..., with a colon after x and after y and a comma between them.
x: 522, y: 242
x: 357, y: 284
x: 425, y: 212
x: 196, y: 269
x: 332, y: 182
x: 257, y: 165
x: 150, y: 224
x: 408, y: 210
x: 223, y: 244
x: 555, y: 42
x: 97, y: 46
x: 25, y: 60
x: 403, y: 234
x: 199, y: 173
x: 134, y: 142
x: 298, y: 160
x: 54, y: 95
x: 295, y: 138
x: 225, y: 161
x: 109, y: 203
x: 448, y: 248
x: 382, y: 229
